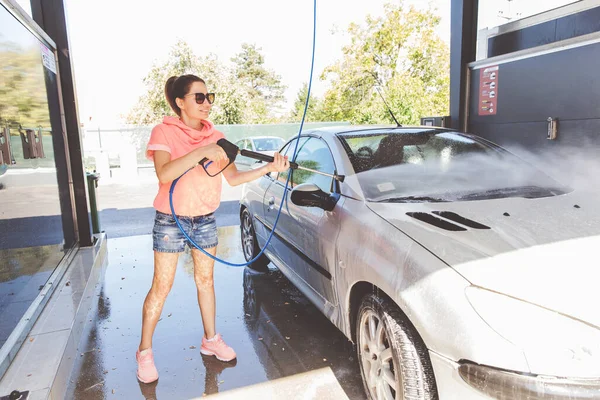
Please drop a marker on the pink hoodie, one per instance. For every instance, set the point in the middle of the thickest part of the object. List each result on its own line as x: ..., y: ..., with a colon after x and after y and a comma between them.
x: 196, y: 193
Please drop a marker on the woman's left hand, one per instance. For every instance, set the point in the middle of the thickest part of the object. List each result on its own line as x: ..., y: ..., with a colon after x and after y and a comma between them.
x: 279, y: 164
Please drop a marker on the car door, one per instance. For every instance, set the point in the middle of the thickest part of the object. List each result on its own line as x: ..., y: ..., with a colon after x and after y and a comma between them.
x: 271, y: 203
x: 308, y: 234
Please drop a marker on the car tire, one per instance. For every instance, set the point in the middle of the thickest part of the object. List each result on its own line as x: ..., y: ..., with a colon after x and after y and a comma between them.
x: 250, y: 243
x: 394, y: 364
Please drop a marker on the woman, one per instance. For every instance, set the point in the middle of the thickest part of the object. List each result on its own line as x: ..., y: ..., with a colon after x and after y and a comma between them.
x: 176, y: 145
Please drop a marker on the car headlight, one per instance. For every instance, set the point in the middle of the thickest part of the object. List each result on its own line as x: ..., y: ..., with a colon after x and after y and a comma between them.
x: 553, y: 344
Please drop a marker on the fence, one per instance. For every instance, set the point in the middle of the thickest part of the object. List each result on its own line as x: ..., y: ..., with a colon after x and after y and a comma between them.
x: 25, y: 147
x: 119, y: 153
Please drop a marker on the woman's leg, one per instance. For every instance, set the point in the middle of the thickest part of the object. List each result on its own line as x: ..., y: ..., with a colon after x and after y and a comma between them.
x: 165, y: 265
x: 212, y: 343
x: 203, y: 276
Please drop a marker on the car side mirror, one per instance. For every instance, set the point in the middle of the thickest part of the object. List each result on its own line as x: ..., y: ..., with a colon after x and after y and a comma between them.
x: 310, y: 195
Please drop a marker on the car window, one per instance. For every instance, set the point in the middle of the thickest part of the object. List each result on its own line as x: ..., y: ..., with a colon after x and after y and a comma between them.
x: 314, y: 154
x: 440, y: 165
x: 268, y: 144
x: 288, y: 150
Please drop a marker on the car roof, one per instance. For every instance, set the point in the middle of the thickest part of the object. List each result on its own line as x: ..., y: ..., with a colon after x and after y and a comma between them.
x: 366, y: 129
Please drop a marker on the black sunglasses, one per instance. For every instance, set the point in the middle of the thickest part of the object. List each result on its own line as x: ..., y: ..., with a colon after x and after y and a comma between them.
x: 200, y: 97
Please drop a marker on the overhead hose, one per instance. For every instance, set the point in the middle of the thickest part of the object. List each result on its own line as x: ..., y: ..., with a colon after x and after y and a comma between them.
x: 283, y: 198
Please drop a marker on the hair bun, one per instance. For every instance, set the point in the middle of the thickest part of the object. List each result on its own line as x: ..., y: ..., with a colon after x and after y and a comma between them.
x: 178, y: 87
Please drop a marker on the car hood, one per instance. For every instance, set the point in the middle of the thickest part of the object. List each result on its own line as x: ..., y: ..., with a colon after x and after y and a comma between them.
x: 543, y: 251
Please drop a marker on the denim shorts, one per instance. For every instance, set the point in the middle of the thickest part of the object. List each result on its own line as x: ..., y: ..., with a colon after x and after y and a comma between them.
x: 168, y: 238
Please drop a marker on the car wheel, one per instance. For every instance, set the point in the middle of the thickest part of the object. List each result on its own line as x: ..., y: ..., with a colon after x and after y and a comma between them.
x: 250, y: 244
x: 394, y: 363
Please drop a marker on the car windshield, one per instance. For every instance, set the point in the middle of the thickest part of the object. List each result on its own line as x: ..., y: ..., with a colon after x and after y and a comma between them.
x: 434, y: 165
x: 268, y: 144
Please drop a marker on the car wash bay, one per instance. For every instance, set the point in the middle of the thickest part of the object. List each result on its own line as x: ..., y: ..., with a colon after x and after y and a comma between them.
x: 285, y: 346
x: 530, y: 84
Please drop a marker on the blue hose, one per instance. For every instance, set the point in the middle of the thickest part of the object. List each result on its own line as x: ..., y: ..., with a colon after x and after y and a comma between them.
x: 289, y: 172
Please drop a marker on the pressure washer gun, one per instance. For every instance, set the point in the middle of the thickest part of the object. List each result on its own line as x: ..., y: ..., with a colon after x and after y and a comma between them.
x: 232, y: 151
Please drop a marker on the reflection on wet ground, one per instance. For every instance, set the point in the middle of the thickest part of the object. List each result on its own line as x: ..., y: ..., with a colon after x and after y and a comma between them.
x: 274, y: 329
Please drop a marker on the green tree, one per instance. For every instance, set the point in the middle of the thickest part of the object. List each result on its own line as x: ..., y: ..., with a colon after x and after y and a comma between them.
x: 401, y: 54
x: 152, y: 106
x: 263, y: 87
x: 23, y: 97
x: 312, y: 112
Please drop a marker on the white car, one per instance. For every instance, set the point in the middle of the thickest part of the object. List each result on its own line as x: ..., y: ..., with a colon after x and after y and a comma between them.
x: 459, y: 270
x: 261, y: 144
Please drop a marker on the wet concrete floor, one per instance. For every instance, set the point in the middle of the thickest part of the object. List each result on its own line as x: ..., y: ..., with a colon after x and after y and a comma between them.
x: 274, y: 329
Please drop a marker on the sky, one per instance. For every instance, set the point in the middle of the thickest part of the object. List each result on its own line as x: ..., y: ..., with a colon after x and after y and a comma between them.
x: 114, y: 43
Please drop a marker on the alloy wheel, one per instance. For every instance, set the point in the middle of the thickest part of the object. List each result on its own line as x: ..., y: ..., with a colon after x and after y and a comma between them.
x: 247, y: 237
x: 376, y: 357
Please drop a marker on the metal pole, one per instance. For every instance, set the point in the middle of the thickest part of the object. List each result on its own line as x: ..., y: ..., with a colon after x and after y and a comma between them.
x: 50, y: 15
x: 338, y: 177
x: 92, y: 185
x: 463, y: 50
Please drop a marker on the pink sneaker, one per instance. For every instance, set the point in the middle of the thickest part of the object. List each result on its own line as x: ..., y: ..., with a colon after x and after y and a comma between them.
x: 146, y: 372
x: 217, y: 347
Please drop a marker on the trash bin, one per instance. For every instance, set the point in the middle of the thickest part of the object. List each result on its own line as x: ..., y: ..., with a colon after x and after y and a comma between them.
x: 92, y: 181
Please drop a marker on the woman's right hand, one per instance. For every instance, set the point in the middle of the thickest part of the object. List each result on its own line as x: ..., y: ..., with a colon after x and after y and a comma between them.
x: 213, y: 152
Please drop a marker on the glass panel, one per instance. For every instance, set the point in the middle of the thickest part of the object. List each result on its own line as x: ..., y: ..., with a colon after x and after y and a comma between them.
x: 288, y: 150
x: 315, y: 155
x: 32, y: 240
x: 441, y: 165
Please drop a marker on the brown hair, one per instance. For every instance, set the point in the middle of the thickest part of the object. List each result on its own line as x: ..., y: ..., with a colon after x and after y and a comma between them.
x: 177, y: 87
